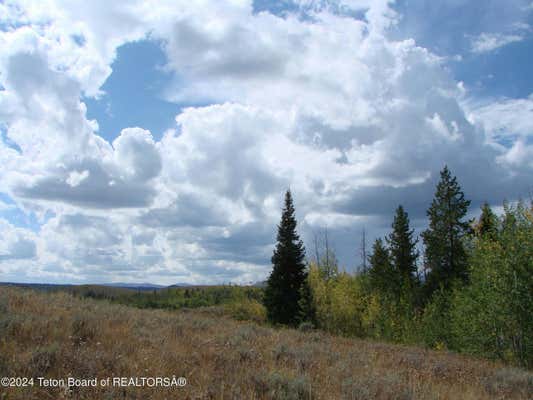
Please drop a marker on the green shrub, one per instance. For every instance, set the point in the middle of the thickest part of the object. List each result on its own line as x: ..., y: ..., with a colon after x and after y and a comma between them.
x: 246, y: 310
x: 493, y: 316
x: 435, y: 321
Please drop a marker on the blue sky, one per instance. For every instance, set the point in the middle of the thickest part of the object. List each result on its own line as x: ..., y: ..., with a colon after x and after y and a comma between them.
x: 153, y: 141
x: 133, y: 92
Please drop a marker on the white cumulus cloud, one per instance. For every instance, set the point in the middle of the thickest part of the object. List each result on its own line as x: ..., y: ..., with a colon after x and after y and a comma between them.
x: 353, y: 121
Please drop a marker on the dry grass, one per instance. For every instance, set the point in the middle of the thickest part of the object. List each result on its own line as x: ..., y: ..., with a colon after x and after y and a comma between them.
x: 56, y: 335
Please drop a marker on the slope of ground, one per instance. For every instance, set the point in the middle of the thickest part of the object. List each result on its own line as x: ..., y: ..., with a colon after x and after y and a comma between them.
x: 55, y: 335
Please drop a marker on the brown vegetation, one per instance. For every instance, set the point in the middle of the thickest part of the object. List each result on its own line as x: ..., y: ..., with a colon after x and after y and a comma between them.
x: 57, y: 335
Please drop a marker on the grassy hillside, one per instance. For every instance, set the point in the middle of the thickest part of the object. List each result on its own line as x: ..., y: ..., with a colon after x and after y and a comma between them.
x: 58, y: 335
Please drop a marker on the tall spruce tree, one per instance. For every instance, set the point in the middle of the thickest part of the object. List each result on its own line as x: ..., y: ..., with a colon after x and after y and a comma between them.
x: 445, y: 253
x: 283, y: 291
x: 402, y: 248
x: 382, y: 276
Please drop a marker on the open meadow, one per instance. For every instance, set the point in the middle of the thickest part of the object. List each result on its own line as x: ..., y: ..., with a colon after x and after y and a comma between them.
x: 57, y: 335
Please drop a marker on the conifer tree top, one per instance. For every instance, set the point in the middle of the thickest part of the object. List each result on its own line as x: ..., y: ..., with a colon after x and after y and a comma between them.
x: 288, y: 223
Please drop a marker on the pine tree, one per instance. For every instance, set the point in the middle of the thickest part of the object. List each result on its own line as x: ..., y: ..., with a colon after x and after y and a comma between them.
x: 382, y: 276
x: 402, y: 247
x: 487, y: 225
x: 445, y: 253
x: 282, y: 293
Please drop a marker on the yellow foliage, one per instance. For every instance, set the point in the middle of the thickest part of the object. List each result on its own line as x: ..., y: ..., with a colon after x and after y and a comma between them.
x: 339, y: 302
x: 440, y: 346
x: 248, y: 310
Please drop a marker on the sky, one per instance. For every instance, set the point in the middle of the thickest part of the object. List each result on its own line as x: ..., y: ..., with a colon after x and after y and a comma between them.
x: 153, y: 141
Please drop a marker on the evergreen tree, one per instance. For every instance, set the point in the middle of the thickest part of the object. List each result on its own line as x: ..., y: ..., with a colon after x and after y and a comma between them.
x: 402, y: 247
x: 383, y: 279
x: 282, y: 293
x: 445, y: 253
x: 487, y: 225
x: 306, y: 303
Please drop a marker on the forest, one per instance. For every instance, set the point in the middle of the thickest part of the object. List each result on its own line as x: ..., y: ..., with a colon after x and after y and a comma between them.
x: 470, y: 290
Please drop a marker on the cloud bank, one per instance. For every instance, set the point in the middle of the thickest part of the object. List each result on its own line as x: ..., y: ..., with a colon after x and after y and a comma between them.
x: 320, y: 98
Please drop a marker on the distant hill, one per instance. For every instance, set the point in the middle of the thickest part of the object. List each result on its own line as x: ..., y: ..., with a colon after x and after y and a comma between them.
x: 181, y: 284
x: 124, y: 285
x: 41, y: 286
x: 141, y: 286
x: 54, y: 286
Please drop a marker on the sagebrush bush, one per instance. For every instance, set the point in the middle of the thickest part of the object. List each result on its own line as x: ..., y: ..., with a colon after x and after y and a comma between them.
x: 511, y: 382
x: 43, y: 359
x: 84, y: 328
x: 278, y: 386
x: 4, y: 363
x: 306, y: 327
x: 246, y: 353
x: 246, y: 335
x: 389, y: 386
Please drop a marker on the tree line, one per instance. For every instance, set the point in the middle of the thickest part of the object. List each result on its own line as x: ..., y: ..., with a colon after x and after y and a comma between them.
x: 470, y: 290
